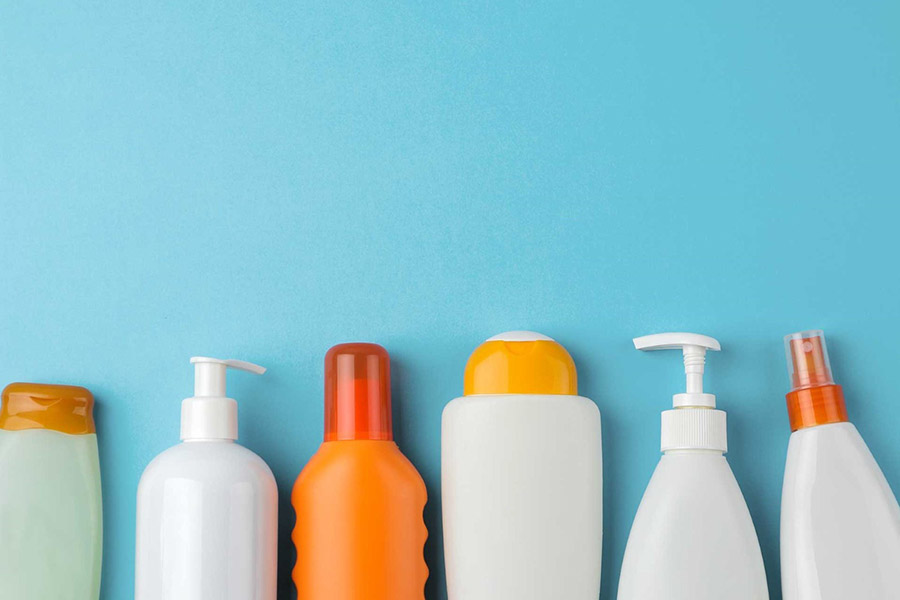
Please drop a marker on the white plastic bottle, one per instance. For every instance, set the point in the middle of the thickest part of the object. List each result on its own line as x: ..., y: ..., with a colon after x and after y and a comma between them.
x: 692, y: 537
x: 522, y: 477
x: 840, y: 522
x: 207, y: 509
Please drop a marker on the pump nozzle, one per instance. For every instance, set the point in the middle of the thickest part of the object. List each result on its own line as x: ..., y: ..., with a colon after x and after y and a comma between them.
x: 209, y: 374
x: 694, y: 347
x: 210, y: 414
x: 695, y: 424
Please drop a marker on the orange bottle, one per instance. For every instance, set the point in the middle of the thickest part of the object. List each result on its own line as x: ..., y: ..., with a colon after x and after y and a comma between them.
x: 360, y: 534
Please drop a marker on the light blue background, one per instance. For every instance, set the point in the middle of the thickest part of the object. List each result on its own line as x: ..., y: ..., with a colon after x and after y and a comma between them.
x: 265, y: 179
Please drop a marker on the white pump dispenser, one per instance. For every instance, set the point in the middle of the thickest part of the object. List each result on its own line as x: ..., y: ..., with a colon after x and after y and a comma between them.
x: 209, y: 414
x: 694, y: 424
x: 207, y: 509
x: 692, y: 537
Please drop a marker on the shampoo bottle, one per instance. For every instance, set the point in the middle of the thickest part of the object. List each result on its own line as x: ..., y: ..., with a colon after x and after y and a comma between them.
x: 360, y: 533
x: 692, y: 537
x: 50, y: 507
x: 840, y: 522
x: 207, y: 509
x: 522, y: 476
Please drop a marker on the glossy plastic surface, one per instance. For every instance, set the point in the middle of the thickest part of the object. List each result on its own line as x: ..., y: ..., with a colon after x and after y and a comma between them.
x: 522, y: 491
x: 840, y: 521
x: 51, y: 528
x: 692, y: 537
x: 360, y: 534
x: 358, y: 393
x: 207, y: 525
x: 63, y: 408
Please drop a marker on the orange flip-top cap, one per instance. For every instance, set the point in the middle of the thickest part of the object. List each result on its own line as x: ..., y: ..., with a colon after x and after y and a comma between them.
x: 63, y: 408
x: 815, y: 399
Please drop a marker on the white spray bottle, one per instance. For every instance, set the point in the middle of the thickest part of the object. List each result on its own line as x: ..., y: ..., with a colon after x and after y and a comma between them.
x: 692, y: 537
x: 840, y: 521
x: 207, y: 509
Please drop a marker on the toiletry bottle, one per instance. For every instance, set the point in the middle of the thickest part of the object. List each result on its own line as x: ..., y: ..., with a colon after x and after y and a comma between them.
x: 207, y: 509
x: 522, y: 476
x: 840, y: 522
x: 692, y: 537
x: 50, y: 506
x: 360, y: 532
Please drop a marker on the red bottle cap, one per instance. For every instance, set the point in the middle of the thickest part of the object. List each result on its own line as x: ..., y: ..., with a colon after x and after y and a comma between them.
x: 358, y: 393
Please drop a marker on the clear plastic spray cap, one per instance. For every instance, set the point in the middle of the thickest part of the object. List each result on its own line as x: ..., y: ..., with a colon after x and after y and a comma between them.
x: 814, y: 398
x: 807, y: 358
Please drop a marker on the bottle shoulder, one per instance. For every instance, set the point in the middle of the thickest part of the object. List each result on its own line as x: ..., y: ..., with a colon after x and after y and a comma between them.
x: 379, y: 463
x: 830, y: 467
x: 691, y: 474
x: 817, y: 455
x: 521, y: 404
x: 699, y: 488
x: 214, y: 460
x: 693, y: 525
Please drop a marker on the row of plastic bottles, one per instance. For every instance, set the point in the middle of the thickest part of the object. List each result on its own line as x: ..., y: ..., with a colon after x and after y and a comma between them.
x: 521, y: 492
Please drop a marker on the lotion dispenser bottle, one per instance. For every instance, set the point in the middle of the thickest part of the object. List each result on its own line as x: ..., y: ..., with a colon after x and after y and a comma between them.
x: 522, y: 476
x: 840, y: 521
x: 207, y: 509
x: 692, y: 537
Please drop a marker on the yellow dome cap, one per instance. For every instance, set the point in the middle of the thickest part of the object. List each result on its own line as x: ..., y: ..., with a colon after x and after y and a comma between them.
x: 520, y: 362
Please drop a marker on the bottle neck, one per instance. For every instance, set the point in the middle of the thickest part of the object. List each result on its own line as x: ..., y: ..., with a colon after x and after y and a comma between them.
x: 693, y: 451
x: 816, y: 405
x: 694, y: 429
x: 209, y: 418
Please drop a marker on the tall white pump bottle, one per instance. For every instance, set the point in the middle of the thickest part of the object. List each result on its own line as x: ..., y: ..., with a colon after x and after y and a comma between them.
x: 840, y: 521
x: 207, y: 509
x: 522, y: 477
x: 692, y: 537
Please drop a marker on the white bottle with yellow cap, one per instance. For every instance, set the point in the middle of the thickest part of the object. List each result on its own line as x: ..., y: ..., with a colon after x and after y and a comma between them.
x: 522, y: 476
x: 692, y: 537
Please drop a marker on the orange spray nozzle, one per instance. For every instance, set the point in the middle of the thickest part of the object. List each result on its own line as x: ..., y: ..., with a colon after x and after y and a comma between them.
x: 814, y: 398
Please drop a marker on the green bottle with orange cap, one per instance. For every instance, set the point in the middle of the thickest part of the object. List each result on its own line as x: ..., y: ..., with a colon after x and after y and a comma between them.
x: 50, y: 506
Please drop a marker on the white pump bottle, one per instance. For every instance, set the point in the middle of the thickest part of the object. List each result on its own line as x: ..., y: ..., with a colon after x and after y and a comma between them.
x: 207, y: 509
x: 692, y: 537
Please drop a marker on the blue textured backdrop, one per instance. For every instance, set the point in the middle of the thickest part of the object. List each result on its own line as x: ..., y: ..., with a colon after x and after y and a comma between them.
x: 265, y: 179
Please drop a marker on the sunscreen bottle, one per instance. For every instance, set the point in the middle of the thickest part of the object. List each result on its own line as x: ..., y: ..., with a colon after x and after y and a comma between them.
x: 360, y: 533
x: 692, y: 537
x: 522, y: 476
x: 50, y: 506
x: 207, y: 509
x: 840, y: 522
